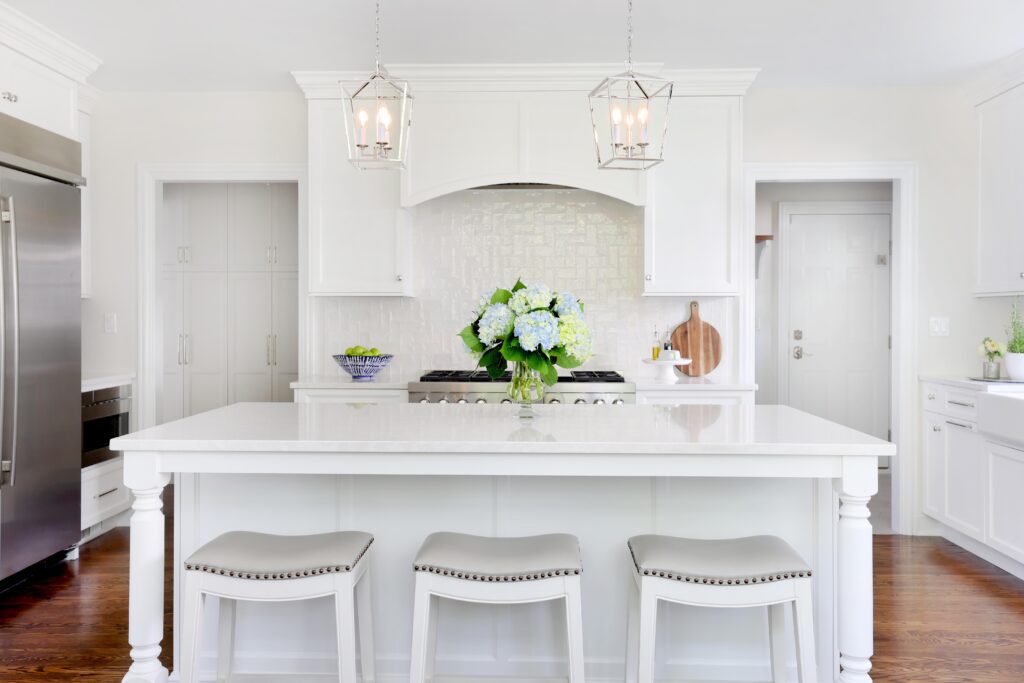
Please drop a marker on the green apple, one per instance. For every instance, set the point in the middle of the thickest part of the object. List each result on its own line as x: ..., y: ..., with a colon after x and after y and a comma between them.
x: 374, y: 352
x: 350, y: 351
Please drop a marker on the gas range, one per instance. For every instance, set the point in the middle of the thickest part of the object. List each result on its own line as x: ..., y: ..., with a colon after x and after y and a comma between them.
x: 476, y: 386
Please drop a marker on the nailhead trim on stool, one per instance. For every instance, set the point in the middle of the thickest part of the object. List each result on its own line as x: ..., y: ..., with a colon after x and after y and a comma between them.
x: 458, y: 574
x: 716, y: 581
x: 295, y: 574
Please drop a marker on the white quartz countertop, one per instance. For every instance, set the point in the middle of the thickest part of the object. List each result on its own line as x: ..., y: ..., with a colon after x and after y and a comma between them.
x: 486, y: 429
x: 975, y: 385
x: 97, y: 382
x: 383, y: 380
x: 686, y: 383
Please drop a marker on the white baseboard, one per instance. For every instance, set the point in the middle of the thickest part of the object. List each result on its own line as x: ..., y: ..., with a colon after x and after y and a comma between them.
x: 986, y: 553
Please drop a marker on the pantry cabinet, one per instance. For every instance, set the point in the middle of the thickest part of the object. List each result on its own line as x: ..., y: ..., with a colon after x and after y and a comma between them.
x: 1000, y: 249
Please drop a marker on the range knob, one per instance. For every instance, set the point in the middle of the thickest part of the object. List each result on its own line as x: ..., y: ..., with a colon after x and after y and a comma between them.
x: 424, y: 400
x: 481, y: 400
x: 554, y: 400
x: 618, y: 402
x: 598, y: 401
x: 443, y: 399
x: 462, y: 400
x: 506, y: 400
x: 580, y: 400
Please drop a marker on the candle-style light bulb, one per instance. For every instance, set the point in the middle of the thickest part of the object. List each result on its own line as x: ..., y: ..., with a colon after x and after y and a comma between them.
x: 642, y: 117
x: 363, y: 117
x: 383, y: 125
x: 616, y: 126
x: 630, y: 120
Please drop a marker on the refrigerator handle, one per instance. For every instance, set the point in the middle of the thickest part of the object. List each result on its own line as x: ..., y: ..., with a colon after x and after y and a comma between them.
x: 9, y: 393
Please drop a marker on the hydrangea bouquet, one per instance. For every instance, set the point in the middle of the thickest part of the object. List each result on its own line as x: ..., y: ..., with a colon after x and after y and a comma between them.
x: 532, y: 327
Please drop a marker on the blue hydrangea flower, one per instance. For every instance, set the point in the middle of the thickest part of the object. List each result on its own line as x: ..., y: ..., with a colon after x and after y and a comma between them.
x: 574, y: 337
x: 531, y: 298
x: 495, y: 323
x: 537, y: 329
x: 483, y: 303
x: 567, y: 304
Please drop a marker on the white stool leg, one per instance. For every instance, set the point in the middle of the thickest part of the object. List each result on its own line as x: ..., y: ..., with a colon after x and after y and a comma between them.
x: 191, y: 621
x: 648, y: 632
x: 803, y: 620
x: 365, y: 612
x: 632, y: 632
x: 345, y: 616
x: 431, y: 662
x: 420, y: 629
x: 225, y: 638
x: 776, y: 639
x: 574, y: 622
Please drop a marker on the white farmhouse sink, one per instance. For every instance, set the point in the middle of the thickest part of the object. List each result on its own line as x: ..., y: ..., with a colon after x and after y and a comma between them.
x: 1001, y: 417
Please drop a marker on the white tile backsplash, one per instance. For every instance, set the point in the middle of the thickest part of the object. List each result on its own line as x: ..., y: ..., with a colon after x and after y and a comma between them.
x: 465, y: 244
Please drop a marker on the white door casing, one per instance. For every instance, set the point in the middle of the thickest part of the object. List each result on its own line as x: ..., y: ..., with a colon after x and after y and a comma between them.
x: 834, y: 293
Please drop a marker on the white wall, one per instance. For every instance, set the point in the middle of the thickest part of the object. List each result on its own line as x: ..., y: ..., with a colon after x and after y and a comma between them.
x: 465, y: 244
x: 142, y: 128
x: 765, y: 286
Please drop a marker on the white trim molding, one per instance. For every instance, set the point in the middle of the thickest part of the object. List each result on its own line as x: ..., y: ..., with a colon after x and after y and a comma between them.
x: 528, y: 78
x: 904, y: 177
x: 151, y: 178
x: 29, y: 37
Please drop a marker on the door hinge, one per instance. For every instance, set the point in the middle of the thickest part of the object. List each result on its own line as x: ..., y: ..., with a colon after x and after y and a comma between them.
x: 890, y: 342
x: 5, y: 216
x: 888, y: 435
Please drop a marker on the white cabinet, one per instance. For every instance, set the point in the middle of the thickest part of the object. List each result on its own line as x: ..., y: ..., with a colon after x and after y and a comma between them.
x: 965, y: 478
x: 1005, y: 482
x: 204, y: 345
x: 285, y: 342
x: 37, y: 94
x: 934, y: 494
x: 262, y: 344
x: 104, y: 493
x: 691, y: 222
x: 170, y: 400
x: 1000, y: 256
x: 358, y: 235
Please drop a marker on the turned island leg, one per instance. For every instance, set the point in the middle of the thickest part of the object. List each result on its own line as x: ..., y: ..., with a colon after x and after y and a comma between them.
x: 146, y: 569
x: 856, y: 572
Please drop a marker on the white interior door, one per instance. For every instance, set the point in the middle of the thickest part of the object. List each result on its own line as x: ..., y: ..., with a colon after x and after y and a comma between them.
x: 250, y: 354
x: 206, y: 343
x: 834, y: 298
x: 286, y: 334
x: 170, y: 396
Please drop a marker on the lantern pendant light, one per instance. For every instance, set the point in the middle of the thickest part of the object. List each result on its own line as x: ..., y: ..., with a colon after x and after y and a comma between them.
x: 629, y: 113
x: 377, y: 117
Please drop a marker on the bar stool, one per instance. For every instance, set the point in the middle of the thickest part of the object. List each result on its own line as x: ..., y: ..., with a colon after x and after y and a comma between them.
x: 736, y: 572
x: 242, y: 565
x: 497, y: 571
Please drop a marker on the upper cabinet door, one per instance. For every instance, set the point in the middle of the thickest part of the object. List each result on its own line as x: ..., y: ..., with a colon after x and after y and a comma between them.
x: 1000, y: 263
x: 357, y: 233
x: 206, y: 227
x: 37, y: 94
x: 249, y: 220
x: 691, y: 222
x: 284, y: 225
x: 458, y: 141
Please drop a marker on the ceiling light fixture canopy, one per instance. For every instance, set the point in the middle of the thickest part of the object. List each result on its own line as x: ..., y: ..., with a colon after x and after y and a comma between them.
x: 378, y: 115
x: 629, y: 113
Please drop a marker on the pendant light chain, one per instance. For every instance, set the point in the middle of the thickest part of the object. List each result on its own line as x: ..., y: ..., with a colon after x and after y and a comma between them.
x: 629, y: 36
x: 377, y: 31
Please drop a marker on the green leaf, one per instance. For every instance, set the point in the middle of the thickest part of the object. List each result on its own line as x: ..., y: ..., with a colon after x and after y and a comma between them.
x: 497, y: 369
x: 471, y: 340
x: 519, y: 285
x: 568, y: 362
x: 512, y: 351
x: 501, y: 296
x: 491, y: 356
x: 540, y: 363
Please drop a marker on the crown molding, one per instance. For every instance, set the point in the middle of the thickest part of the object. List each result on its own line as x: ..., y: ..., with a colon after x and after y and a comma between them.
x: 528, y: 78
x: 996, y: 79
x: 34, y: 40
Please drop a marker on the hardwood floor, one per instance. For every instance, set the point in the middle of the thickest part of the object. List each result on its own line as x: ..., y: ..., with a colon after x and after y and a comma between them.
x: 941, y: 616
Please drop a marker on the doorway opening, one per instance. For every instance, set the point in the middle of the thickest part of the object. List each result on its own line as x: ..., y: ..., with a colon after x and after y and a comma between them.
x: 823, y: 308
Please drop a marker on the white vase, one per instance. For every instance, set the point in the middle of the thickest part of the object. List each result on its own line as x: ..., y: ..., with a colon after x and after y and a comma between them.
x: 1014, y: 364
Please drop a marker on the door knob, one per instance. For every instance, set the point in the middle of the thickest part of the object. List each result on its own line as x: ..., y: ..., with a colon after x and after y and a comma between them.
x: 798, y: 352
x: 798, y: 334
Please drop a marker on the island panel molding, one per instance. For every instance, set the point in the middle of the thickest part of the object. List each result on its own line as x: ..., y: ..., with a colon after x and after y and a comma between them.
x: 665, y: 473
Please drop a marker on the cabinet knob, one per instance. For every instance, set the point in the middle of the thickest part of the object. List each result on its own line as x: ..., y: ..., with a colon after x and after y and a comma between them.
x: 931, y: 397
x: 12, y: 98
x: 648, y: 278
x: 1022, y: 275
x: 398, y: 278
x: 936, y: 429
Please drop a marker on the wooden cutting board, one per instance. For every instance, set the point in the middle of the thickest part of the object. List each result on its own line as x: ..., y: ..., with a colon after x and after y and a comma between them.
x: 698, y: 341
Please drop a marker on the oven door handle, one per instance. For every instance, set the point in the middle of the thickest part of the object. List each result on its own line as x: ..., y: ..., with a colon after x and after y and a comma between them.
x: 96, y: 411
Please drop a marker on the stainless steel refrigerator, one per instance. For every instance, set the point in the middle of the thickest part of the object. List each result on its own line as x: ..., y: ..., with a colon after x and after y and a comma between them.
x: 40, y: 344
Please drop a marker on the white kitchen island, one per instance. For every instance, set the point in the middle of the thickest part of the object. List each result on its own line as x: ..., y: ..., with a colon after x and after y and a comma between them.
x: 604, y: 473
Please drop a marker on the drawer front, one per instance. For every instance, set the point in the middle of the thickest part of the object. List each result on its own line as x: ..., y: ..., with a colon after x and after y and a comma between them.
x: 34, y: 93
x: 104, y: 493
x: 946, y: 400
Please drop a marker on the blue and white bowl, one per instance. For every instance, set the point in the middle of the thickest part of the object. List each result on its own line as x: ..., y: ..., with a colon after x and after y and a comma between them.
x: 362, y: 368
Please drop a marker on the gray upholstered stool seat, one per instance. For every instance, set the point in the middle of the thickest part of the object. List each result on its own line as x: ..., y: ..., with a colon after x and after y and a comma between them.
x: 250, y: 555
x: 484, y: 558
x: 724, y: 562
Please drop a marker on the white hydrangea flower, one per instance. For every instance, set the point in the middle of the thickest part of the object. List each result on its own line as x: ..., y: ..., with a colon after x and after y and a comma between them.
x: 531, y: 298
x: 574, y: 337
x: 495, y: 323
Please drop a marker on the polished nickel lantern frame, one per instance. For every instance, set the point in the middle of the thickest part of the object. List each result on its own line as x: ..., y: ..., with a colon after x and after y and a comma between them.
x: 378, y: 115
x: 629, y: 113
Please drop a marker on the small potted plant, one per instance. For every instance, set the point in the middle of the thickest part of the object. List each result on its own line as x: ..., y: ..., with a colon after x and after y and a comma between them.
x: 1014, y: 359
x: 991, y: 351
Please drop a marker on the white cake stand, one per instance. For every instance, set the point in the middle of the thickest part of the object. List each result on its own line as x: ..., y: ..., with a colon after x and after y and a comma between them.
x: 665, y: 367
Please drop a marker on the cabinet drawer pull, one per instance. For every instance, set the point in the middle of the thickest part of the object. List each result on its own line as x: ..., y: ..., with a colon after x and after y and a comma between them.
x: 12, y: 98
x: 963, y: 404
x: 959, y: 424
x: 106, y: 493
x: 931, y: 397
x: 936, y: 428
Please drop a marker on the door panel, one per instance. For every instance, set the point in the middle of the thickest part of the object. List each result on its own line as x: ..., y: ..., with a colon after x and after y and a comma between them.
x: 206, y: 304
x: 206, y: 232
x: 249, y: 220
x: 40, y: 254
x: 286, y: 327
x: 170, y: 336
x: 284, y: 202
x: 965, y: 478
x: 250, y: 342
x: 934, y: 503
x: 170, y: 232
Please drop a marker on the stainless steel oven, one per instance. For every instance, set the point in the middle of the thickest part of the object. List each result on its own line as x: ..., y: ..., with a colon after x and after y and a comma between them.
x: 106, y: 415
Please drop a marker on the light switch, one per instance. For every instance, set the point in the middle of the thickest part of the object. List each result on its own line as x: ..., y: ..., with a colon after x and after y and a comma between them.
x: 938, y: 327
x: 110, y: 323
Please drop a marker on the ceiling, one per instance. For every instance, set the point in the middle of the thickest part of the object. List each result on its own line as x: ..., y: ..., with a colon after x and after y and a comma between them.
x: 254, y: 44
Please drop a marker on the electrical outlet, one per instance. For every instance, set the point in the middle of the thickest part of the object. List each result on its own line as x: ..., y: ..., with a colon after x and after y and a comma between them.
x: 938, y: 327
x: 110, y: 323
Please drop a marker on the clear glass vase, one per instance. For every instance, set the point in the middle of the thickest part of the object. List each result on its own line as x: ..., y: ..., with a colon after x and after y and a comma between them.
x: 525, y: 389
x: 990, y: 369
